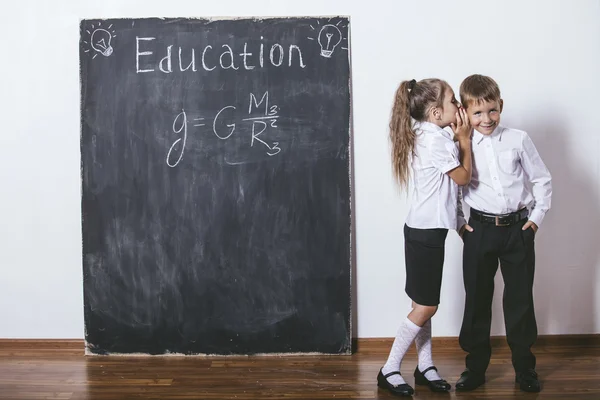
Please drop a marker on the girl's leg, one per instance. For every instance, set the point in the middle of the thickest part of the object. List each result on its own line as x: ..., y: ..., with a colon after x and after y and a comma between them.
x: 407, y: 332
x: 423, y: 342
x: 424, y: 352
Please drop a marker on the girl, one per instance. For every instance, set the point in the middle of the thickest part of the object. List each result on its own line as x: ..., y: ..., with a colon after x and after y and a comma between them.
x: 421, y: 111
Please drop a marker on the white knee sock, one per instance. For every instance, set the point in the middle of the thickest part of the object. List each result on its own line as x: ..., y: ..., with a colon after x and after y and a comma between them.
x: 404, y: 338
x: 423, y: 342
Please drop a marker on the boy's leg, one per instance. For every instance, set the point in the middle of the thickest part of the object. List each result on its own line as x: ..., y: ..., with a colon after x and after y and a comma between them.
x: 518, y: 267
x: 480, y: 263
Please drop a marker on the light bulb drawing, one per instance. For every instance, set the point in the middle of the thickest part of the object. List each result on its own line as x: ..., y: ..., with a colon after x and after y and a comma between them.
x: 330, y: 36
x: 100, y: 40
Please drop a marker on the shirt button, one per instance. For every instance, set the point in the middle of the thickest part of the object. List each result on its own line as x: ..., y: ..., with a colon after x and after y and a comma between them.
x: 495, y: 178
x: 499, y: 194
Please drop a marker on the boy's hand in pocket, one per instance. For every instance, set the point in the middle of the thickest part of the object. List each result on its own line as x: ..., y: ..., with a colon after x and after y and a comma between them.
x: 465, y: 227
x: 532, y: 225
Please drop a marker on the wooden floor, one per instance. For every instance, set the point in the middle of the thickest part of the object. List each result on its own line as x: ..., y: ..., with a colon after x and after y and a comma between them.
x: 60, y: 371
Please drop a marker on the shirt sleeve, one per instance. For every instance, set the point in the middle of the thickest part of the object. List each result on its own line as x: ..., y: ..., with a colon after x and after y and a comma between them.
x: 460, y: 215
x: 540, y: 179
x: 444, y: 153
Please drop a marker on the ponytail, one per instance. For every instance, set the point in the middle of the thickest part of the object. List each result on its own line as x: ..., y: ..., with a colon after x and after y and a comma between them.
x: 402, y: 135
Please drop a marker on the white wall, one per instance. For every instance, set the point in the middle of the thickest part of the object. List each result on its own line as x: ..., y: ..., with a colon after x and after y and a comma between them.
x: 545, y: 56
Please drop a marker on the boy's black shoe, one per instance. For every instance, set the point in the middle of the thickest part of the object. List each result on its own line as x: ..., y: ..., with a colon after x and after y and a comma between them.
x: 439, y: 385
x: 528, y: 381
x: 469, y: 380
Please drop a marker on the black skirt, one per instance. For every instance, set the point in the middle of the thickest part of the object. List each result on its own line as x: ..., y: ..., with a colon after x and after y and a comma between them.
x: 424, y: 253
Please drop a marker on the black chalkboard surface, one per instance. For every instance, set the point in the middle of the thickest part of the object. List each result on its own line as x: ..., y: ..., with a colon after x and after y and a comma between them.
x: 216, y: 185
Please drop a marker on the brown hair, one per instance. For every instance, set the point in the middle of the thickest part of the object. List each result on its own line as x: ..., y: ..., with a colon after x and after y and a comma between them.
x: 477, y: 89
x: 413, y: 100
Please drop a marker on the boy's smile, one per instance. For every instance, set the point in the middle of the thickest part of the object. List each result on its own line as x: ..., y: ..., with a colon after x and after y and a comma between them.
x: 485, y: 116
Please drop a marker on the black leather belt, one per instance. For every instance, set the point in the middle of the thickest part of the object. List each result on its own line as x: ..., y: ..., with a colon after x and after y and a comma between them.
x: 500, y: 219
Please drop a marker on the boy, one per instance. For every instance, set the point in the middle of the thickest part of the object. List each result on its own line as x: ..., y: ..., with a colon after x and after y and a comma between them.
x: 509, y: 194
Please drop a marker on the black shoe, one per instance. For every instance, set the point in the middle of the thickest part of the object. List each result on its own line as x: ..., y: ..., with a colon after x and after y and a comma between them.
x: 469, y: 380
x: 401, y: 390
x: 528, y: 381
x: 439, y: 385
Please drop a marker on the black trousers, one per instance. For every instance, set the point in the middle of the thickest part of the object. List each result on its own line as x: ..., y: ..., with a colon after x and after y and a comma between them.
x: 483, y: 248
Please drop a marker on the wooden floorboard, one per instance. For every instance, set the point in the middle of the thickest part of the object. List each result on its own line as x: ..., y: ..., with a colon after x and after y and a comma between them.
x: 569, y: 369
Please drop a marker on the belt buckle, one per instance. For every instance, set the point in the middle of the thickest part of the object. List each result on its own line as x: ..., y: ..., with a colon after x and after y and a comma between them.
x: 498, y: 222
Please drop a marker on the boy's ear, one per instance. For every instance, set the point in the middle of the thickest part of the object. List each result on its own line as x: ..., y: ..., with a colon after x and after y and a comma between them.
x: 435, y: 113
x: 501, y: 105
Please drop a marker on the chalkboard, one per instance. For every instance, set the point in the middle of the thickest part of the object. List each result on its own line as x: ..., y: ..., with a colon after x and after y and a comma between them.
x: 216, y: 211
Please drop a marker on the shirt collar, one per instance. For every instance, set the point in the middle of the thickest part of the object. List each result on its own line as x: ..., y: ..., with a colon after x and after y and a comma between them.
x: 429, y: 127
x: 478, y: 137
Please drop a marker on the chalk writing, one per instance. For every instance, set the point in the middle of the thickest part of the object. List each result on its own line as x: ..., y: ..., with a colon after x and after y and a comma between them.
x: 223, y: 57
x: 224, y: 126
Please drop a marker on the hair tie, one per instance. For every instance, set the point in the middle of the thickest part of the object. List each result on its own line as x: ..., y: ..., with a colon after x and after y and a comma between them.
x: 412, y: 84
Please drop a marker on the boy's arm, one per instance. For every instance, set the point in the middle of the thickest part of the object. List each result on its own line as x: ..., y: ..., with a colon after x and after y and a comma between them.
x: 461, y: 222
x: 540, y: 178
x: 460, y: 215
